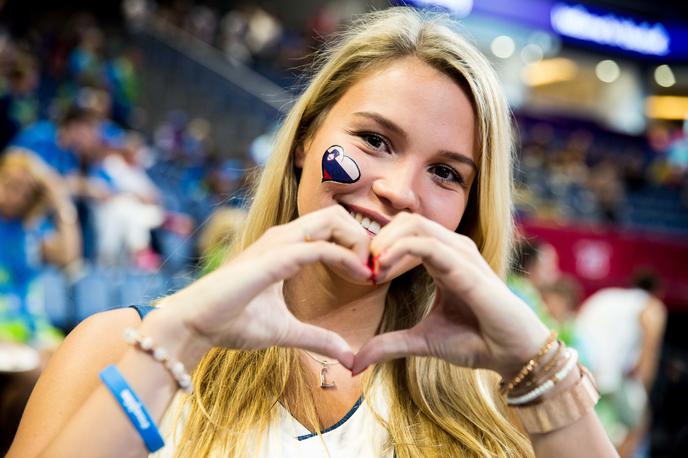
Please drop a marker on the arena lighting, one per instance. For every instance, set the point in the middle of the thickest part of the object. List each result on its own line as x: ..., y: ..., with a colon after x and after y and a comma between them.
x: 670, y: 107
x: 549, y: 71
x: 531, y: 53
x: 664, y: 76
x: 460, y: 8
x: 576, y: 21
x: 503, y: 47
x: 607, y: 71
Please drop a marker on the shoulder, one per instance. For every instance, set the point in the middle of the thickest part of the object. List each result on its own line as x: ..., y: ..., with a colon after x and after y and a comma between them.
x: 71, y: 375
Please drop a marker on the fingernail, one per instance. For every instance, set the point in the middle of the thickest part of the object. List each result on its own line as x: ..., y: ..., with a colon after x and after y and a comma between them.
x: 373, y: 278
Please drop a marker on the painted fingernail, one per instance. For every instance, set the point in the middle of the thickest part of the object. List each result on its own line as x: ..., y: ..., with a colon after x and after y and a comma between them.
x: 373, y: 278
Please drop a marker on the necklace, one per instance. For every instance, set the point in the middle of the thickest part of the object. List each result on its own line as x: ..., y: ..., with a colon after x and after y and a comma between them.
x: 323, y: 370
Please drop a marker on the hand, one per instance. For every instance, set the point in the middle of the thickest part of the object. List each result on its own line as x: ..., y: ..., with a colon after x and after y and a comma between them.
x: 241, y: 304
x: 475, y: 321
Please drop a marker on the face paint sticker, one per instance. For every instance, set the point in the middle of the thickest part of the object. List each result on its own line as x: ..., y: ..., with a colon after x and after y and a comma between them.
x: 338, y: 167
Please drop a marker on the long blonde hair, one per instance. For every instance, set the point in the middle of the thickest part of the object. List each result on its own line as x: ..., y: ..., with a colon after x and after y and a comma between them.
x: 435, y: 409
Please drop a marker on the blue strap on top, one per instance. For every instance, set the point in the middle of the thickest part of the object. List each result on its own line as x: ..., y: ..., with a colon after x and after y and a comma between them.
x: 142, y: 309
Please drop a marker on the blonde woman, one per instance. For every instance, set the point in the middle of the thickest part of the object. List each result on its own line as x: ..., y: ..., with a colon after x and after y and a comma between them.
x: 404, y: 130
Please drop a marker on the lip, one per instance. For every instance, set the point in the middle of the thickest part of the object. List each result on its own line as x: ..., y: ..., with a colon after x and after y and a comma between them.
x: 370, y: 214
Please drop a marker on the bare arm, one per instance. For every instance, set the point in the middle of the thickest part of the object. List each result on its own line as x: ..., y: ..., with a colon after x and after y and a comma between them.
x: 71, y: 395
x: 652, y: 322
x: 64, y: 247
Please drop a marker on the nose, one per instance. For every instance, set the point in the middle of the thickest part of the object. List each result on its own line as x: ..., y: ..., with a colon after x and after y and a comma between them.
x: 397, y: 188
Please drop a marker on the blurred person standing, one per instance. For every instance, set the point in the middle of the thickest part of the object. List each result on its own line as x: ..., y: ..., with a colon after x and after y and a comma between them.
x: 28, y: 191
x: 621, y: 332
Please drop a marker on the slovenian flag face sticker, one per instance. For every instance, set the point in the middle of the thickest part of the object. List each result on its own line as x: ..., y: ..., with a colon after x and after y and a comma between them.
x: 338, y: 167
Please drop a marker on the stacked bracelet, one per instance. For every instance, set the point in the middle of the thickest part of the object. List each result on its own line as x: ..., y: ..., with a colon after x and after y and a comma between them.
x: 530, y: 366
x: 174, y: 367
x: 133, y: 407
x: 571, y: 361
x: 563, y: 409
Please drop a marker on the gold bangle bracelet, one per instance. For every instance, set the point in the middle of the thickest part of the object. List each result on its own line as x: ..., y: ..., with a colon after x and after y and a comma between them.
x: 537, y: 377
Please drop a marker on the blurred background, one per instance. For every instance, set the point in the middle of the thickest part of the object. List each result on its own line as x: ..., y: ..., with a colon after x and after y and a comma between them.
x: 131, y: 130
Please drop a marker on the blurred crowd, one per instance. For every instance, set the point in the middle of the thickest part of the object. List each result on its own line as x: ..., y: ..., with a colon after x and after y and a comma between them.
x: 571, y: 171
x: 250, y: 33
x: 618, y: 333
x: 87, y: 196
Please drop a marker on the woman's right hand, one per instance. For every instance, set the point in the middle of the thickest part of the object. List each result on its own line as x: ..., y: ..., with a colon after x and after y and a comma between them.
x: 241, y: 304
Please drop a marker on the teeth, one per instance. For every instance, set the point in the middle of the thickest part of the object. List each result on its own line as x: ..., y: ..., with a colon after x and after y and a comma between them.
x: 372, y: 226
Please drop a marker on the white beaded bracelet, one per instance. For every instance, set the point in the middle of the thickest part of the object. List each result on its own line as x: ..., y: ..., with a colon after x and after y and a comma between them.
x: 571, y: 361
x: 176, y: 368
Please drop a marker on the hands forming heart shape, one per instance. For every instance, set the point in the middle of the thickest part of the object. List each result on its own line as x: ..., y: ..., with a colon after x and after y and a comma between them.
x: 475, y: 321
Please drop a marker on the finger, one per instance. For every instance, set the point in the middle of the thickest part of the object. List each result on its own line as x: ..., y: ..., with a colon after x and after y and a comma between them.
x: 438, y: 258
x: 333, y: 224
x: 409, y: 224
x: 322, y: 341
x: 404, y: 225
x: 388, y: 346
x: 287, y: 261
x: 247, y: 279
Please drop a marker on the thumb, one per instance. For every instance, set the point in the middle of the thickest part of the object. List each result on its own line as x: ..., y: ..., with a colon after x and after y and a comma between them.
x: 322, y: 341
x: 388, y: 346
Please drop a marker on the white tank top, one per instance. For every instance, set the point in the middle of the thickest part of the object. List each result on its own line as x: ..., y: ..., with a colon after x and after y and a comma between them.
x: 358, y: 434
x: 610, y: 335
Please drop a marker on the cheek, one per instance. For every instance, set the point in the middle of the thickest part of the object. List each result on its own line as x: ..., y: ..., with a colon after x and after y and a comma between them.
x: 446, y: 208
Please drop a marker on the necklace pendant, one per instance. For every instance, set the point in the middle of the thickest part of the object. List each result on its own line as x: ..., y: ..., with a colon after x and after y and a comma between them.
x: 323, y: 379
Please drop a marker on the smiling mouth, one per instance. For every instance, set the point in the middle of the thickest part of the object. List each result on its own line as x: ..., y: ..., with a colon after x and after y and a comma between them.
x: 369, y: 224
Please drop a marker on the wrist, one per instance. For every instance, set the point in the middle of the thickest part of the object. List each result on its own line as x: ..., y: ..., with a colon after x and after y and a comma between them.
x: 525, y: 351
x: 170, y: 332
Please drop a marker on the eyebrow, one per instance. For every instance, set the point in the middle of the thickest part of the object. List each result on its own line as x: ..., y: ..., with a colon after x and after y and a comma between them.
x: 390, y: 126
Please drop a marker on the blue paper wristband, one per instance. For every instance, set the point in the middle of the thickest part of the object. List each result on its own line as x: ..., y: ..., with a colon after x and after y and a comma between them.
x: 133, y: 407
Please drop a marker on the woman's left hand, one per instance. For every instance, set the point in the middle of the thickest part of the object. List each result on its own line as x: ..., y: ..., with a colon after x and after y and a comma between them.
x: 475, y: 320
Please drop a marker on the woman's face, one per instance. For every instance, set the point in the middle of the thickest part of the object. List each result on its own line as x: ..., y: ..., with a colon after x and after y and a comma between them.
x: 410, y: 129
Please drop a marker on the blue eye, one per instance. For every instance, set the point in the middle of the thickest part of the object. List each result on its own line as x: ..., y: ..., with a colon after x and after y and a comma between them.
x: 444, y: 173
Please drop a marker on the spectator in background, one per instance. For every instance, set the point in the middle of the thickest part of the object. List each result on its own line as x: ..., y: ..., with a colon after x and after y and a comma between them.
x: 72, y: 147
x: 29, y: 190
x: 605, y: 181
x: 64, y: 145
x: 19, y: 105
x: 125, y: 220
x: 535, y: 266
x: 621, y: 332
x: 218, y: 234
x: 561, y: 299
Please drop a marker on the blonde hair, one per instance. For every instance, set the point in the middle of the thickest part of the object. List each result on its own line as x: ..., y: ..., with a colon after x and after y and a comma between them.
x: 435, y: 409
x: 15, y: 158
